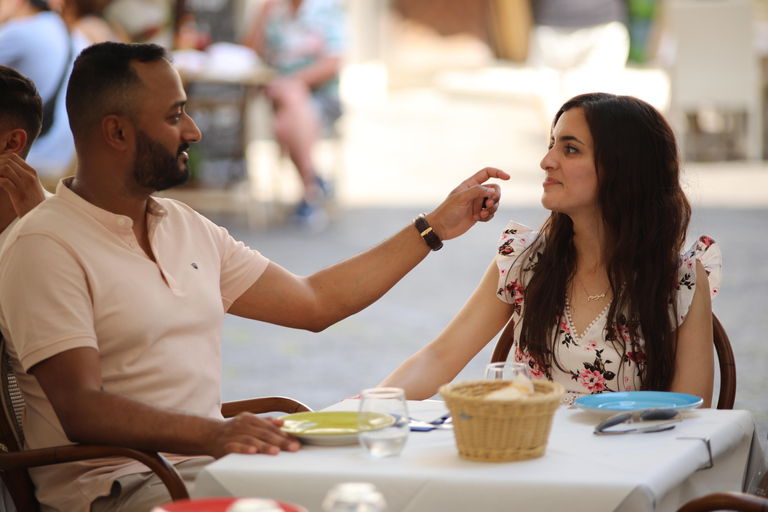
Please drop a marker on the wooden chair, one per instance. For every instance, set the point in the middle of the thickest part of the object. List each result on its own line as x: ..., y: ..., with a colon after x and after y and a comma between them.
x: 722, y: 346
x: 15, y: 462
x: 741, y: 502
x: 738, y: 501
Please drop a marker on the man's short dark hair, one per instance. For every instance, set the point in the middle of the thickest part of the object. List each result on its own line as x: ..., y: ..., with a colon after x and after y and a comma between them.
x: 20, y: 105
x: 103, y: 82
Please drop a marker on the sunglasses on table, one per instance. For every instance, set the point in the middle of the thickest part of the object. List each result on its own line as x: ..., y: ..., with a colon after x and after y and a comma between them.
x: 638, y: 422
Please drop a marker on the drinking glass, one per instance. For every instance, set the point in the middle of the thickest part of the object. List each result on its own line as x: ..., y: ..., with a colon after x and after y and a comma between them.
x: 507, y: 371
x: 383, y: 421
x: 354, y: 497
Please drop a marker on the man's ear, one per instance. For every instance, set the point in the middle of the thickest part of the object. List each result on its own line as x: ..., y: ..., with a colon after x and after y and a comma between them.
x: 118, y: 132
x: 13, y: 141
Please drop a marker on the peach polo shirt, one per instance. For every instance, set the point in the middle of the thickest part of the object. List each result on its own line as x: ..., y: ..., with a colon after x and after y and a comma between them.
x: 73, y: 275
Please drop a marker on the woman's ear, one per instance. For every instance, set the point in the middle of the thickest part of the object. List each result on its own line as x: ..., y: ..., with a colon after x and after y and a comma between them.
x: 13, y: 141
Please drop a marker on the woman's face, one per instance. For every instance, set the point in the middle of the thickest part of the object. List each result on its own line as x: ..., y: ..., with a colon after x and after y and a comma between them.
x: 570, y: 186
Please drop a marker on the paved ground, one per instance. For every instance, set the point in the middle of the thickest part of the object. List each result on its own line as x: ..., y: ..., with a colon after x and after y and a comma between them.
x: 402, y: 155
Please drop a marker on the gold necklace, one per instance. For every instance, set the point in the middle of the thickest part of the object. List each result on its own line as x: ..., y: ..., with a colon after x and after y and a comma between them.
x: 590, y: 298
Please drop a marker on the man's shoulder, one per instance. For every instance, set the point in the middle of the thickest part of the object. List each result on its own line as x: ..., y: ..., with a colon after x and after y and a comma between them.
x: 50, y: 216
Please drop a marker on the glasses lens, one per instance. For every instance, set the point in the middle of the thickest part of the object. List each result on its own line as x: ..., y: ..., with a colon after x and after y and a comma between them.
x: 658, y: 414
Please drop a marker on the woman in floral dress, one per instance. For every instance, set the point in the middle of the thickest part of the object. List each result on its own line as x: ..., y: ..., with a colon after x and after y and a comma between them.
x: 601, y: 296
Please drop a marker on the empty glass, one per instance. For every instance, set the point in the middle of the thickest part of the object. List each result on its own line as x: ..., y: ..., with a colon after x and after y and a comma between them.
x: 383, y: 421
x: 507, y: 371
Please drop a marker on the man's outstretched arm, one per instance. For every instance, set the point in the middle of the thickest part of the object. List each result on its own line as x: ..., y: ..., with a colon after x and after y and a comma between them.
x: 334, y: 293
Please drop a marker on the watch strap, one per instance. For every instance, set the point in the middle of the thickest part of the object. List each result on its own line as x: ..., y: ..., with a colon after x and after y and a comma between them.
x: 427, y: 233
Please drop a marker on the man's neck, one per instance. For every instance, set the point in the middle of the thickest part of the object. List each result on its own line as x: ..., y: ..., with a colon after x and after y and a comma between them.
x: 117, y: 202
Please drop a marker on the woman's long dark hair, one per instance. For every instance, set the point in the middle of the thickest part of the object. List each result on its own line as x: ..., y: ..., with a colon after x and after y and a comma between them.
x: 645, y: 216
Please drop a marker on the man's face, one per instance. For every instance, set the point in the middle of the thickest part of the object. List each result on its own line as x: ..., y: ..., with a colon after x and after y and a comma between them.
x: 163, y: 129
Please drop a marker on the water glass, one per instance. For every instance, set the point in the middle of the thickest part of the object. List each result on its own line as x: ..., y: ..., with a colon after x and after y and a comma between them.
x: 354, y: 497
x: 507, y: 371
x: 383, y: 422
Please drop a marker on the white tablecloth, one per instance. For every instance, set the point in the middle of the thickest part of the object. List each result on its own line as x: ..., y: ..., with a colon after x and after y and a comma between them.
x: 579, y: 472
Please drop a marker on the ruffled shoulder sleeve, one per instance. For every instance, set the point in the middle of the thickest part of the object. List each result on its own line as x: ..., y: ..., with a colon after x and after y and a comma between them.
x: 707, y: 251
x: 514, y: 240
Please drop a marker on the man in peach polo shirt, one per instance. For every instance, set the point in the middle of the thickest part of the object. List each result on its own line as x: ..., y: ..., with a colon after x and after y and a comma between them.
x: 113, y: 300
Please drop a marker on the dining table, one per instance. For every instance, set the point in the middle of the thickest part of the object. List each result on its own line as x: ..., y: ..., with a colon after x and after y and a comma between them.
x: 709, y: 450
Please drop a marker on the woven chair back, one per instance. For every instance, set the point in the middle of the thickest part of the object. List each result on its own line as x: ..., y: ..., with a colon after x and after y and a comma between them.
x: 17, y: 481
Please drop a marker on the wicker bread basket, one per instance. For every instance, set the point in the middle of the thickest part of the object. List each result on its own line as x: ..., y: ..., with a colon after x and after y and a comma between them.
x: 496, y: 431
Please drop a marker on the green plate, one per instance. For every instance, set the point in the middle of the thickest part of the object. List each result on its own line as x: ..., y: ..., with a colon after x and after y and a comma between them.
x: 332, y: 427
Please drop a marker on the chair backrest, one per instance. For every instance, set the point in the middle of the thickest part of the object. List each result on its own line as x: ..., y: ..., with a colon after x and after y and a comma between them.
x: 726, y: 501
x: 722, y: 346
x: 17, y: 481
x: 727, y: 365
x: 706, y: 66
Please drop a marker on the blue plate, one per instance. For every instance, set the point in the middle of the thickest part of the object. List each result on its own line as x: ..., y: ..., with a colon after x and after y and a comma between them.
x: 637, y: 401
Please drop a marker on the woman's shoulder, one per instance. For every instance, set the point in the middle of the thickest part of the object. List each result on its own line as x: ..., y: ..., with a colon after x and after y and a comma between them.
x: 515, y: 239
x: 706, y: 251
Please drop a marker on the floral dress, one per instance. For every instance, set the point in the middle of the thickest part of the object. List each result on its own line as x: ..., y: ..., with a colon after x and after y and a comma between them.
x: 592, y: 363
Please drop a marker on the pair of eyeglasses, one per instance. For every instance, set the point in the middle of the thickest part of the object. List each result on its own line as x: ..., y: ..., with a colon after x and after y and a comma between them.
x: 651, y: 420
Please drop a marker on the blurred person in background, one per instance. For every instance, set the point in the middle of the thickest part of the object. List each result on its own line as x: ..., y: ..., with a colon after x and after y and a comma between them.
x: 304, y: 41
x: 580, y: 46
x: 86, y: 18
x: 36, y: 42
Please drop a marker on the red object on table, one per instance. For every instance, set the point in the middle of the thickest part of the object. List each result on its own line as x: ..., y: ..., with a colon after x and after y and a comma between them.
x: 215, y: 505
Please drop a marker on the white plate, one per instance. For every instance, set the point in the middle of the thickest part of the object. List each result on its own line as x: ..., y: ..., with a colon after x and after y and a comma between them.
x: 624, y: 401
x: 329, y: 428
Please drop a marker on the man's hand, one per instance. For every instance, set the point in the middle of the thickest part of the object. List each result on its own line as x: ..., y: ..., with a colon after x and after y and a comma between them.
x: 467, y: 204
x: 246, y: 433
x: 20, y: 181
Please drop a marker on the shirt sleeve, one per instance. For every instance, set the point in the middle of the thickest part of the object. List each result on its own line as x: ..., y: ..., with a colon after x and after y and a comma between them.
x: 44, y: 313
x: 708, y: 252
x: 514, y: 240
x: 10, y: 49
x: 240, y: 265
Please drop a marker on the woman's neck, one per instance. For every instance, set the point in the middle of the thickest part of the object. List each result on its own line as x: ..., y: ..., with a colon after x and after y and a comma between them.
x: 589, y: 242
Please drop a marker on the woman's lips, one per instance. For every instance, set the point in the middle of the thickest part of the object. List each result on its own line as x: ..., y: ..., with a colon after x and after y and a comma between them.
x: 551, y: 181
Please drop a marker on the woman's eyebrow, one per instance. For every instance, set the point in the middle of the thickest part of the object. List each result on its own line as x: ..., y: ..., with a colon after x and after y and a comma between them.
x: 569, y: 138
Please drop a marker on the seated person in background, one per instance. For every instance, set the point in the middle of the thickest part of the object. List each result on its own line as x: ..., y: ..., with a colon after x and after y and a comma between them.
x: 21, y: 114
x: 304, y: 40
x: 35, y: 42
x: 86, y: 18
x: 601, y: 297
x: 113, y: 300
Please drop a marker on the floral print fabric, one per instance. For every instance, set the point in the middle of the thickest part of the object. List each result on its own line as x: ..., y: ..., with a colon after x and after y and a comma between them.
x: 592, y: 363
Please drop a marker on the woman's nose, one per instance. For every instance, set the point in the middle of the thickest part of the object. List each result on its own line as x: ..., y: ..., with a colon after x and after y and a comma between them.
x: 548, y: 162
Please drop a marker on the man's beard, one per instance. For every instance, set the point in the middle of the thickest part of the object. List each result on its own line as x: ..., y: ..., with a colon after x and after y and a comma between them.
x: 156, y: 168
